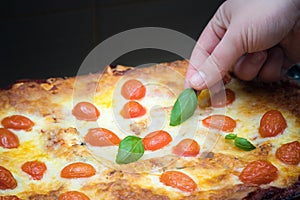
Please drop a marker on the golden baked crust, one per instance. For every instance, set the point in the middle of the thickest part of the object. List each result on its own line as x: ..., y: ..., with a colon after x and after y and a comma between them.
x: 58, y: 137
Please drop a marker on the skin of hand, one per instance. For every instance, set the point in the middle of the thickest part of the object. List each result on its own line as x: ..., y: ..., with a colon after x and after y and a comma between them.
x: 257, y: 38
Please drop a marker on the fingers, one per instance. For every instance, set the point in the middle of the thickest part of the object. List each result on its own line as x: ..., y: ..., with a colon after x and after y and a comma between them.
x: 206, y: 43
x: 249, y: 65
x: 267, y: 66
x: 199, y: 55
x: 208, y: 70
x: 217, y: 49
x: 213, y: 68
x: 271, y: 70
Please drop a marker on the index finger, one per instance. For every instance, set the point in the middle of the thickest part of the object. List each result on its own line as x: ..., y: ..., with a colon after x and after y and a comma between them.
x: 205, y: 45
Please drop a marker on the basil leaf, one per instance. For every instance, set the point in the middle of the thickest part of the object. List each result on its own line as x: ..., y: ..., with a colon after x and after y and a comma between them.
x: 184, y: 107
x: 230, y: 136
x: 130, y: 150
x: 243, y: 143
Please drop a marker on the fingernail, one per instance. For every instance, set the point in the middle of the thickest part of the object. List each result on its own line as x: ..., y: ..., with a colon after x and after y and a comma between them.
x: 197, y: 79
x: 257, y: 58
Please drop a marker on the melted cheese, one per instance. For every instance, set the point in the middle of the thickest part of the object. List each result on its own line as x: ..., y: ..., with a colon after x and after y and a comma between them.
x: 57, y: 139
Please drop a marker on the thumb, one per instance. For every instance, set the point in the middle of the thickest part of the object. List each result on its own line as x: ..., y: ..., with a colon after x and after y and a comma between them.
x: 218, y: 63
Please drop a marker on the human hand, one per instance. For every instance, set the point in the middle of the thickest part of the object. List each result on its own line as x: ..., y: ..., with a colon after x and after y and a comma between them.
x: 258, y: 38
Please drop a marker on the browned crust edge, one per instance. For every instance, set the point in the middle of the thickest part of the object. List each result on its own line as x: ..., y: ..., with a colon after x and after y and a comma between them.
x: 275, y: 193
x: 272, y: 193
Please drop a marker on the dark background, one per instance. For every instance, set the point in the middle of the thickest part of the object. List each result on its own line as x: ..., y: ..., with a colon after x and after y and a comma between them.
x: 41, y: 39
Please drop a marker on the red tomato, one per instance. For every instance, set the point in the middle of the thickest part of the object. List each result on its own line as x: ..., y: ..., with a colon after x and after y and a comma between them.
x: 73, y: 195
x: 219, y: 100
x: 35, y: 169
x: 259, y: 172
x: 289, y: 153
x: 86, y: 111
x: 9, y: 197
x: 8, y: 139
x: 272, y: 123
x: 156, y: 140
x: 7, y: 181
x: 220, y: 122
x: 178, y: 180
x: 132, y: 109
x: 101, y: 137
x: 187, y: 148
x: 17, y: 122
x: 78, y: 170
x: 133, y: 90
x: 226, y: 79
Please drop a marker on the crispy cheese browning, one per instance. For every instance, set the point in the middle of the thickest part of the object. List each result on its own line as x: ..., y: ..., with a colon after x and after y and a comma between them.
x: 71, y: 129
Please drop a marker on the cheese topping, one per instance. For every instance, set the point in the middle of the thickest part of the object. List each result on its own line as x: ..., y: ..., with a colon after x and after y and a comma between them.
x: 57, y: 137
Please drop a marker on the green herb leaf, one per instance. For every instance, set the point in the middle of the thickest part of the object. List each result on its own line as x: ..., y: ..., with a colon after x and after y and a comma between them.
x: 243, y: 143
x: 184, y: 107
x: 130, y: 150
x: 230, y: 136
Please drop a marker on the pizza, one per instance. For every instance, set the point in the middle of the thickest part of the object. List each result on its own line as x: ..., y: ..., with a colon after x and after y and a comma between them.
x: 108, y: 136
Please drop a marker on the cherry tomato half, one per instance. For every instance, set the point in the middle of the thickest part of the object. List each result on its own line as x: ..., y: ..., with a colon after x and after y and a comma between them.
x: 101, y: 137
x: 8, y: 139
x: 7, y: 181
x: 9, y: 197
x: 35, y: 169
x: 78, y: 170
x: 272, y: 123
x: 73, y: 195
x: 132, y: 109
x: 259, y: 172
x: 156, y: 140
x: 187, y: 148
x: 220, y: 122
x: 86, y: 111
x: 17, y: 122
x: 219, y: 100
x: 133, y: 90
x: 178, y: 180
x: 289, y: 153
